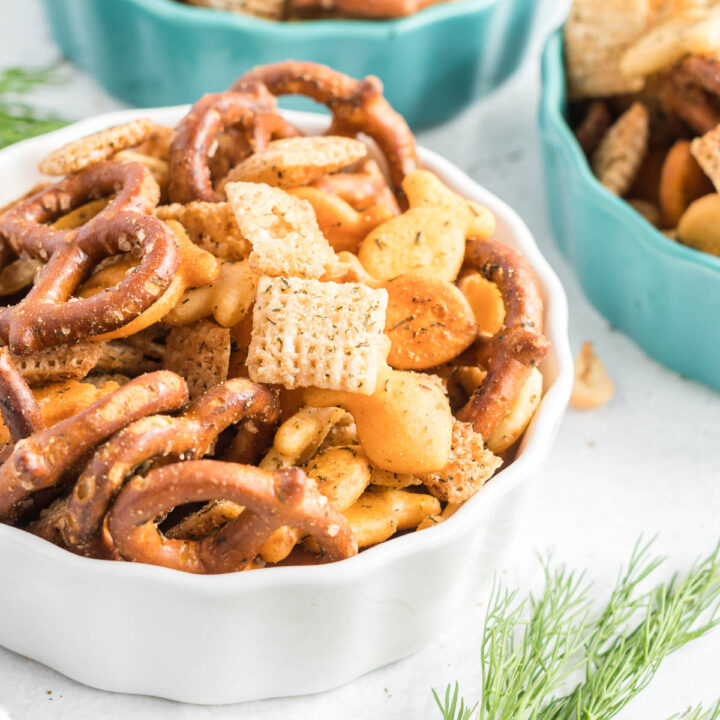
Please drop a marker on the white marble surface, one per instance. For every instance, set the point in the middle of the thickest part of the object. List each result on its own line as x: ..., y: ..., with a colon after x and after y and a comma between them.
x: 648, y: 463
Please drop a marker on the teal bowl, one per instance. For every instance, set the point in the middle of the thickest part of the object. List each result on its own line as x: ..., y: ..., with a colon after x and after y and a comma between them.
x: 662, y: 294
x: 160, y: 52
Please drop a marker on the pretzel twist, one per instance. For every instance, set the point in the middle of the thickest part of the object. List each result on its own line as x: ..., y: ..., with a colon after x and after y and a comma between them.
x: 189, y: 436
x: 518, y: 346
x: 271, y: 499
x: 253, y: 108
x: 356, y: 106
x: 40, y: 460
x: 691, y: 91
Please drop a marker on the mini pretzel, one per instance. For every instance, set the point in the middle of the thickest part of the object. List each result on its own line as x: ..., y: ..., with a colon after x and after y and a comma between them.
x: 27, y: 227
x: 196, y: 135
x: 271, y: 499
x: 19, y: 409
x: 356, y: 106
x: 47, y: 316
x: 691, y: 92
x: 41, y: 459
x: 518, y: 346
x: 189, y: 436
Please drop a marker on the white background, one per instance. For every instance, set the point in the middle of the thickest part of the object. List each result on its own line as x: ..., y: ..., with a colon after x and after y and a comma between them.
x: 648, y: 463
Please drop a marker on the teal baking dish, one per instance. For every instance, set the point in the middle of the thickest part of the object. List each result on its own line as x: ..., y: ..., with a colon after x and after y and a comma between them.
x: 161, y: 52
x: 664, y: 295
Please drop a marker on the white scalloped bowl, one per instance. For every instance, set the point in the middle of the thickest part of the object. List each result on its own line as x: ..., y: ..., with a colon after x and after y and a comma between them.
x: 279, y: 631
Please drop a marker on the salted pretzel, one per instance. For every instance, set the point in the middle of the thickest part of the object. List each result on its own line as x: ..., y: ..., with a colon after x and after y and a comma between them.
x: 252, y: 109
x: 40, y: 460
x: 47, y: 316
x: 517, y: 347
x: 271, y: 500
x: 356, y: 106
x: 691, y: 90
x: 366, y: 8
x: 190, y: 435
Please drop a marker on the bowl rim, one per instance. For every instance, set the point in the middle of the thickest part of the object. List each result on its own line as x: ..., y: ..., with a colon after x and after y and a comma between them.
x: 535, y: 444
x: 552, y: 101
x: 174, y: 11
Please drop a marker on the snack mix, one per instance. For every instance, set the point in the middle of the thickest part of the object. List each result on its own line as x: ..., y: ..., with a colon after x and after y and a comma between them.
x: 644, y: 90
x: 227, y: 345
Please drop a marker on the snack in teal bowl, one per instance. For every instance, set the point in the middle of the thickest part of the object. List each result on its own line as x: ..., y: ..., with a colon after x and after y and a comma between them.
x: 162, y: 52
x: 661, y: 293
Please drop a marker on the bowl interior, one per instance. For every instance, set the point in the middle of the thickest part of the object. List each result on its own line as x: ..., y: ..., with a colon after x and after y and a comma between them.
x: 18, y: 172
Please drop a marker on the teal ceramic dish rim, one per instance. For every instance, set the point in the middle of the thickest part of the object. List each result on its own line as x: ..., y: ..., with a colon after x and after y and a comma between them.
x: 553, y: 74
x: 312, y: 29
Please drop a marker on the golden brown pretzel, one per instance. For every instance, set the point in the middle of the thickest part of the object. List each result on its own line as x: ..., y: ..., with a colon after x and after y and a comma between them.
x: 271, y: 499
x: 253, y: 108
x: 48, y: 316
x: 40, y: 460
x: 26, y: 225
x: 356, y: 106
x: 367, y: 8
x: 690, y: 91
x: 19, y: 409
x: 189, y: 436
x: 518, y: 346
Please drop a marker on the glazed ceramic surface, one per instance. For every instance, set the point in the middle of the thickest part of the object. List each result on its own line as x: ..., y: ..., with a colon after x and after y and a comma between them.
x: 279, y: 631
x: 661, y: 293
x: 161, y: 52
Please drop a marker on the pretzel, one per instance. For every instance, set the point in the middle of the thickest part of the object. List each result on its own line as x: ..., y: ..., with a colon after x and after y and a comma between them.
x: 356, y: 106
x: 191, y: 435
x: 518, y: 346
x: 40, y: 460
x: 683, y: 92
x: 27, y: 226
x: 271, y: 499
x: 47, y: 316
x: 19, y: 409
x: 253, y: 108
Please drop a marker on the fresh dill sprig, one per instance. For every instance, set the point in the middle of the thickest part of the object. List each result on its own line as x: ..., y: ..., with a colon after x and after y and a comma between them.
x: 699, y: 713
x: 19, y: 120
x: 530, y: 648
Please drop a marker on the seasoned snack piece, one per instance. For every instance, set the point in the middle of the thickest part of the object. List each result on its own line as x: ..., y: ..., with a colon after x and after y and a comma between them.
x: 470, y: 466
x: 518, y: 346
x: 342, y: 225
x: 357, y: 106
x: 513, y: 425
x: 200, y: 353
x: 682, y: 179
x: 699, y: 227
x: 649, y: 211
x: 18, y: 407
x: 485, y: 300
x: 94, y: 149
x: 682, y: 95
x: 284, y: 233
x: 18, y: 275
x: 405, y: 426
x: 593, y: 386
x: 695, y: 32
x: 271, y: 499
x: 306, y: 333
x: 211, y: 226
x: 621, y: 152
x: 204, y: 521
x: 380, y: 512
x: 252, y: 109
x: 431, y: 234
x: 64, y: 362
x: 706, y: 150
x: 593, y: 127
x: 361, y: 187
x: 596, y: 34
x: 40, y: 460
x: 191, y: 435
x: 428, y: 321
x: 227, y: 299
x: 292, y: 162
